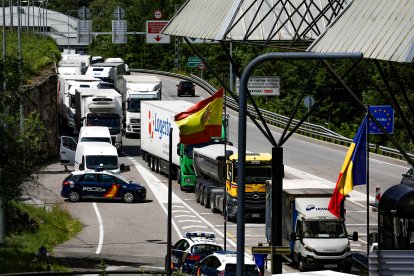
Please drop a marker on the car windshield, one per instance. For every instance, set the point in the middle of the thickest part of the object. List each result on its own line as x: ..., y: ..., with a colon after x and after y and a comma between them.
x: 324, y: 229
x: 187, y: 84
x: 205, y: 249
x: 111, y: 123
x: 249, y: 270
x: 96, y: 139
x: 107, y: 162
x: 122, y: 178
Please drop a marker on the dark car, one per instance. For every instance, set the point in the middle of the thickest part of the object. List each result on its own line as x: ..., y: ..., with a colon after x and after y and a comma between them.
x: 185, y: 88
x: 191, y: 249
x: 408, y: 177
x: 103, y: 185
x: 224, y: 263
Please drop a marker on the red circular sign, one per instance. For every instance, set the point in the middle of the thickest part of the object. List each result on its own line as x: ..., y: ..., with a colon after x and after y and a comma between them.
x: 201, y: 66
x: 158, y: 14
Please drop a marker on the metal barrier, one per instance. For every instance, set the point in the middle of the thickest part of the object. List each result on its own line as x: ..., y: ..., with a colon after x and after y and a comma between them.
x: 306, y: 129
x: 391, y: 262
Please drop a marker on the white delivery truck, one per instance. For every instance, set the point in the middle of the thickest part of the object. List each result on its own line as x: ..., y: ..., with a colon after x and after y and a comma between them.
x: 89, y: 156
x: 138, y: 88
x: 317, y: 239
x: 156, y: 121
x: 94, y: 134
x: 71, y: 68
x: 66, y: 97
x: 100, y: 107
x: 108, y: 71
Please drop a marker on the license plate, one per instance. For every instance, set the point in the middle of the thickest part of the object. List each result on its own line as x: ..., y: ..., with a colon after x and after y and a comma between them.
x: 255, y: 215
x: 330, y: 266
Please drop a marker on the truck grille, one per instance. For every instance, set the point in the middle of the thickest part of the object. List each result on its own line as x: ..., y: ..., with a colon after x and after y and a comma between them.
x: 255, y: 200
x: 134, y: 121
x: 330, y: 253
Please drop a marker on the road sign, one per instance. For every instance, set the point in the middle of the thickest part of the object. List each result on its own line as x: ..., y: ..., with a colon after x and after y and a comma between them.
x: 308, y: 101
x: 158, y: 14
x: 262, y: 86
x: 194, y: 61
x: 279, y: 250
x: 384, y: 115
x: 154, y: 35
x: 201, y: 66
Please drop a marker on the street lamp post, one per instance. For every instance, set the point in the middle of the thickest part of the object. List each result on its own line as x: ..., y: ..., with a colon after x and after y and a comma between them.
x: 67, y: 14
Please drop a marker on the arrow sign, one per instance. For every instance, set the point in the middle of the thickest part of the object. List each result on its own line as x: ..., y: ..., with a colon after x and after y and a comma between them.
x: 154, y: 28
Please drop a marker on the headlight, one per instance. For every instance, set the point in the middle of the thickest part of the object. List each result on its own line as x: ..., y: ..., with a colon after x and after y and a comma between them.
x: 348, y: 248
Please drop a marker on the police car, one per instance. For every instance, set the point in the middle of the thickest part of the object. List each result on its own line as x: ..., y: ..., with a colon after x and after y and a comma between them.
x: 101, y: 184
x: 223, y: 263
x: 191, y: 249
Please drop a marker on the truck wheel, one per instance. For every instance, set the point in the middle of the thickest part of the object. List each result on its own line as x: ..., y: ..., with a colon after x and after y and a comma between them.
x: 152, y: 161
x: 213, y: 210
x: 197, y: 194
x: 301, y: 265
x: 202, y: 196
x: 206, y: 199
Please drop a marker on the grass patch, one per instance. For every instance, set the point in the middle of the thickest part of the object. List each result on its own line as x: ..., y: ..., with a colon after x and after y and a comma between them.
x: 32, y: 228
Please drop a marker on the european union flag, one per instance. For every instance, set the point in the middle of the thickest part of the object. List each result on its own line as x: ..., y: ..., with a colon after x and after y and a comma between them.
x: 384, y: 115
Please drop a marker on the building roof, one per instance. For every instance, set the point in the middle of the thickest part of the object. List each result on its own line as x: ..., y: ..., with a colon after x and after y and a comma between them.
x: 379, y: 29
x: 254, y: 20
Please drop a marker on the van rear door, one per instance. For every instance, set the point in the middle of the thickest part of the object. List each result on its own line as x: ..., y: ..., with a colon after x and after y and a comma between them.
x: 67, y: 151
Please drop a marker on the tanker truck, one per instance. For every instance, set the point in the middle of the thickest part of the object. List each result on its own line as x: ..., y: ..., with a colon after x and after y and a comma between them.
x: 216, y: 185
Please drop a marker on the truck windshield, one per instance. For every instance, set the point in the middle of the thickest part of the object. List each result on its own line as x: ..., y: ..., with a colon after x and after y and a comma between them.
x: 107, y: 162
x: 319, y: 229
x: 258, y: 174
x: 134, y: 106
x: 96, y: 139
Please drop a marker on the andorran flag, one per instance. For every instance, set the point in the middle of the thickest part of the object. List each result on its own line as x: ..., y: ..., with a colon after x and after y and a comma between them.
x: 353, y: 172
x: 201, y: 121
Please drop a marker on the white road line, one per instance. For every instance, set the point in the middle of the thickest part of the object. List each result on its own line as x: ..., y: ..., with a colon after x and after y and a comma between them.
x: 194, y: 226
x: 101, y: 229
x: 177, y: 206
x: 189, y: 220
x: 188, y: 216
x: 180, y: 211
x: 161, y: 193
x: 159, y: 190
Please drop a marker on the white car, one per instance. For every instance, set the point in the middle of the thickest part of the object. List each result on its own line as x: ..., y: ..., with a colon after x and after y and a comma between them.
x: 225, y: 263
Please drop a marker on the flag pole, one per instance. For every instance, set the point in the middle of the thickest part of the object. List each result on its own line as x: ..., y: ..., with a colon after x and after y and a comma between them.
x: 224, y: 129
x: 367, y: 166
x: 169, y: 222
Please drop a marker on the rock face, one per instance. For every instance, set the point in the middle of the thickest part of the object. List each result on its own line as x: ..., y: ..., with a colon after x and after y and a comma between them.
x: 42, y: 92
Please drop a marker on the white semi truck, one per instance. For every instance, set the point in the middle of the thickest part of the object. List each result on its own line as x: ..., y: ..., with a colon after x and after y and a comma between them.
x: 100, y: 107
x: 156, y: 121
x: 138, y: 88
x: 66, y: 97
x: 317, y: 239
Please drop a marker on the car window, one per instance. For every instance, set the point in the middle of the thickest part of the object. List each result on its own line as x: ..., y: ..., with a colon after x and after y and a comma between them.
x: 121, y: 180
x: 89, y: 177
x: 212, y: 262
x: 107, y: 178
x: 181, y: 245
x: 205, y: 248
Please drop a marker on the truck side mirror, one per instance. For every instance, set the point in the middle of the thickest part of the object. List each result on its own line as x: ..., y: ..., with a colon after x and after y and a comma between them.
x: 355, y: 236
x: 122, y: 167
x: 81, y: 167
x: 293, y: 236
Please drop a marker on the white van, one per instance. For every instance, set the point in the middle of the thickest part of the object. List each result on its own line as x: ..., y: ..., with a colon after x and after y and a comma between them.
x: 94, y: 134
x: 89, y: 156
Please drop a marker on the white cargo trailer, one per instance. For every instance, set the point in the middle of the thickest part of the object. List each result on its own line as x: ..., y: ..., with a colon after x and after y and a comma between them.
x: 156, y: 121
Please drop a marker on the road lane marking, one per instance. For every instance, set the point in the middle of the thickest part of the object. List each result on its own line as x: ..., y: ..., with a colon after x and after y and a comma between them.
x: 194, y: 226
x: 189, y: 220
x: 188, y: 216
x: 180, y: 211
x: 101, y: 229
x: 161, y: 193
x: 159, y: 190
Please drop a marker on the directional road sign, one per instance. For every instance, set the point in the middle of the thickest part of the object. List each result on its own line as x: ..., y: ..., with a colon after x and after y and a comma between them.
x: 194, y: 61
x: 154, y: 35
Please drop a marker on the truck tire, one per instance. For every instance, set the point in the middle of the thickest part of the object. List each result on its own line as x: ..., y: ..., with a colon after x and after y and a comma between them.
x: 157, y: 165
x: 301, y: 264
x: 202, y: 195
x: 212, y: 208
x: 206, y: 199
x: 197, y: 192
x: 152, y: 165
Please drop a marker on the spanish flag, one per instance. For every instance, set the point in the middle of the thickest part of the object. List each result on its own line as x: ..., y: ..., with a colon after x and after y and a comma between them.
x: 354, y: 170
x: 201, y: 121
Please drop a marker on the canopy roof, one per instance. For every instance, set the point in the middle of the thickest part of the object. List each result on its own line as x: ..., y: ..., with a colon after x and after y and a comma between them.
x: 379, y: 29
x: 265, y: 21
